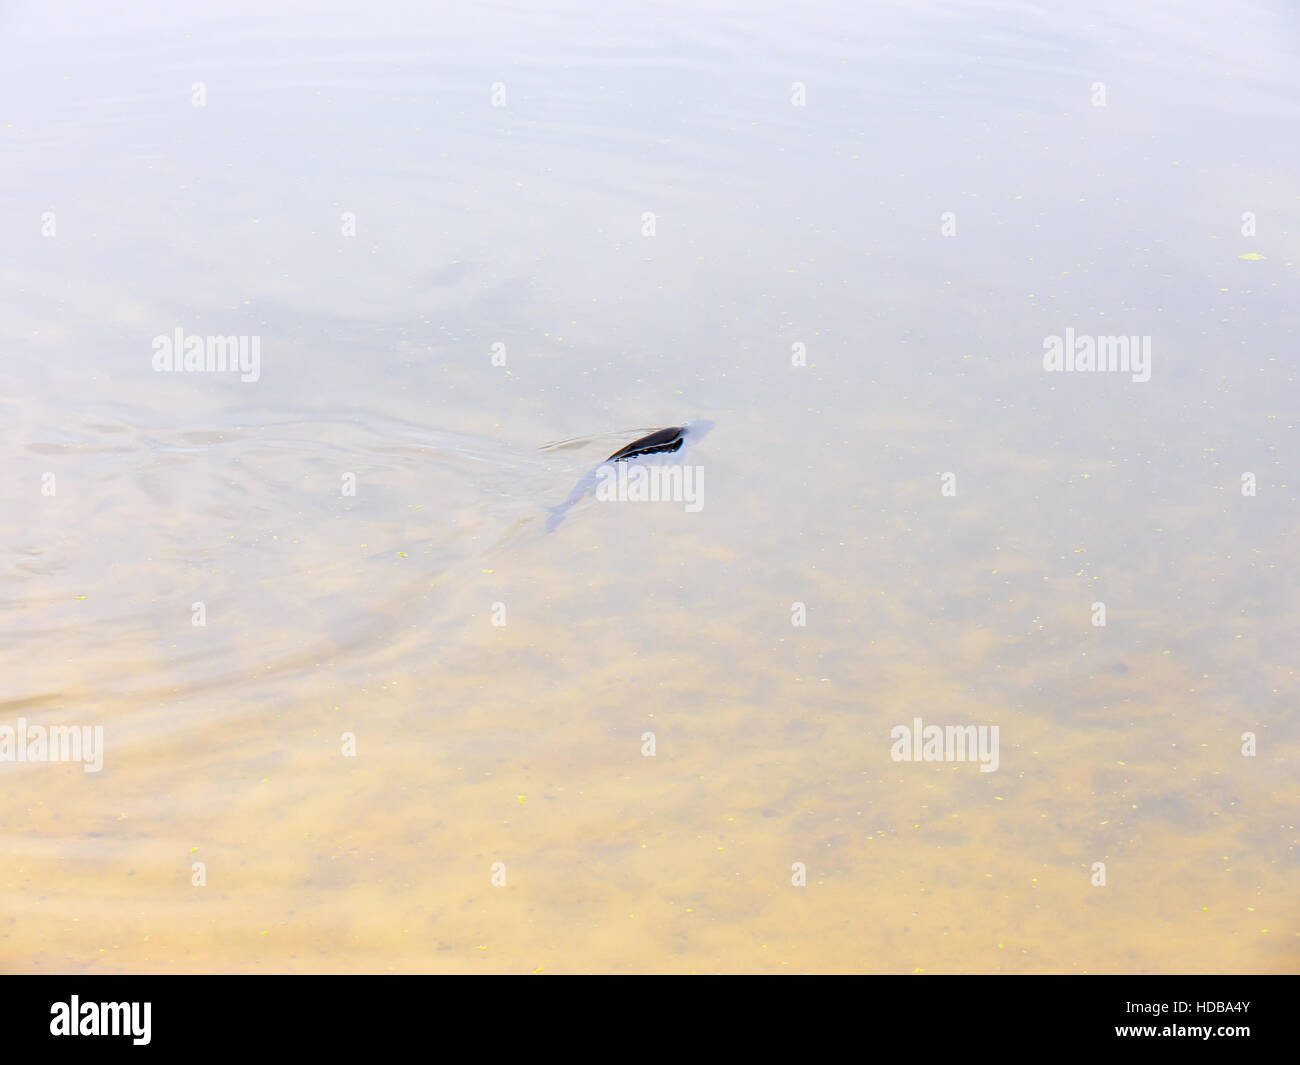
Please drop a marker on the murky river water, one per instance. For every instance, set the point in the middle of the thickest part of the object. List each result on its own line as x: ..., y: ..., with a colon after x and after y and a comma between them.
x: 360, y: 712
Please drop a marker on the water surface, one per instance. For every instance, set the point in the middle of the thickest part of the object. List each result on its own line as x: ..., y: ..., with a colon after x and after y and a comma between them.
x: 519, y: 231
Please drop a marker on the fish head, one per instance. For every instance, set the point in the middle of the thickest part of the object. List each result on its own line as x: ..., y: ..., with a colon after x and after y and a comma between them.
x: 696, y: 429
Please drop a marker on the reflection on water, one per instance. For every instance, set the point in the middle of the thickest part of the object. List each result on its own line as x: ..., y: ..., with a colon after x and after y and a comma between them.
x: 242, y: 581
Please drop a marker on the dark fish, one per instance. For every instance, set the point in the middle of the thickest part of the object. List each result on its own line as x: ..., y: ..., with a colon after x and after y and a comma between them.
x: 660, y: 442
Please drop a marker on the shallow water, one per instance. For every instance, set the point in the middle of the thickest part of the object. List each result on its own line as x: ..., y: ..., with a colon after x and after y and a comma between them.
x: 521, y: 743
